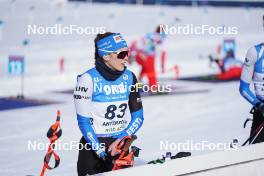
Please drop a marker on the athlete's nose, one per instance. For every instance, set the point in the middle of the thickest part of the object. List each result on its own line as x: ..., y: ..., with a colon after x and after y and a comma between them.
x: 126, y: 58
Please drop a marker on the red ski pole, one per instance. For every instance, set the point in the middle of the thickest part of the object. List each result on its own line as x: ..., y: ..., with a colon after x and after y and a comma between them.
x: 53, y: 134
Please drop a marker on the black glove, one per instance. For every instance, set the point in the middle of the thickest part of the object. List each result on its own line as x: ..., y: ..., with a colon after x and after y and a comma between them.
x: 260, y: 107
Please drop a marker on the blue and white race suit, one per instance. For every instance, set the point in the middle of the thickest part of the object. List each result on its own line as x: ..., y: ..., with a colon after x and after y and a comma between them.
x: 107, y: 108
x: 253, y: 71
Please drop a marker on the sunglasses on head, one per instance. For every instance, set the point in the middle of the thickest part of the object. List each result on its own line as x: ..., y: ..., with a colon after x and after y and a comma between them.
x: 121, y: 54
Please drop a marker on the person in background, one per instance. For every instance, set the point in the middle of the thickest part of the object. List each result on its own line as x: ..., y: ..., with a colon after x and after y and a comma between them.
x: 145, y: 53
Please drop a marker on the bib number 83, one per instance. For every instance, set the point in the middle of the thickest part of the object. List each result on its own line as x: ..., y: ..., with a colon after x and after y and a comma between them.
x: 111, y: 111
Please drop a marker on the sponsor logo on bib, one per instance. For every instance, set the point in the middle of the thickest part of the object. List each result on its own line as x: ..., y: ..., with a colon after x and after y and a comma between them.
x: 125, y: 77
x: 111, y: 89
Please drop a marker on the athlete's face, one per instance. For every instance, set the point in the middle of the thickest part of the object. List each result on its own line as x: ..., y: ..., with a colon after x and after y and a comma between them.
x: 117, y: 61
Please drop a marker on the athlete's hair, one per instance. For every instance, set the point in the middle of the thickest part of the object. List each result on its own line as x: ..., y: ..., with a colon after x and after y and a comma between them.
x: 97, y: 38
x: 159, y: 28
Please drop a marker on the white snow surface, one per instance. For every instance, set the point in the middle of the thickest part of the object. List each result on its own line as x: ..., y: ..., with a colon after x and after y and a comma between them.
x: 215, y: 116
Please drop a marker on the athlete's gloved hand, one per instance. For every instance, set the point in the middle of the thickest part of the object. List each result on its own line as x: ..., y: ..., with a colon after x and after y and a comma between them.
x: 101, y: 153
x: 260, y: 106
x: 112, y: 148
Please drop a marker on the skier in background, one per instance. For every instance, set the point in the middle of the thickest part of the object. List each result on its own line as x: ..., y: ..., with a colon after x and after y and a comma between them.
x: 230, y: 67
x: 103, y: 101
x: 145, y: 53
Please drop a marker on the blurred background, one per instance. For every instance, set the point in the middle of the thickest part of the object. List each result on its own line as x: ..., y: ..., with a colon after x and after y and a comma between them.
x: 43, y: 67
x: 132, y: 20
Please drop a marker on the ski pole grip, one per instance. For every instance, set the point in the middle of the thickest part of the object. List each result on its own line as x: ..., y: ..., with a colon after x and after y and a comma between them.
x: 58, y: 115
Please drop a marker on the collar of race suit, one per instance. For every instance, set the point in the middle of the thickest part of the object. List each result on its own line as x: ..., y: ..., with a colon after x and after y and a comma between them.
x: 107, y: 73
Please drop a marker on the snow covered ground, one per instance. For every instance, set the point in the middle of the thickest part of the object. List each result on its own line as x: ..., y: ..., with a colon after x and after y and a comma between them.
x: 215, y: 116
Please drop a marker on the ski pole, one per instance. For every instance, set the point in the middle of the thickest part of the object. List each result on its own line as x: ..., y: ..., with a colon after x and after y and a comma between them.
x: 256, y: 135
x: 257, y: 132
x: 53, y: 134
x: 246, y: 121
